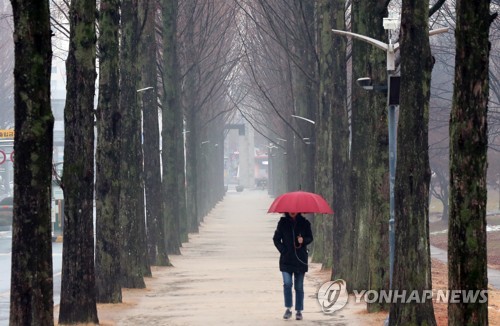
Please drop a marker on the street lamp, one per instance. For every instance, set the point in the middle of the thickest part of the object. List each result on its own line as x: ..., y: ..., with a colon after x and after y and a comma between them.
x: 366, y: 84
x: 302, y: 118
x: 389, y: 24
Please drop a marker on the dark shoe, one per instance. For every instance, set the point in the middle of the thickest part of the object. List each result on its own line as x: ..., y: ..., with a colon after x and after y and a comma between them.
x: 288, y: 314
x: 298, y: 315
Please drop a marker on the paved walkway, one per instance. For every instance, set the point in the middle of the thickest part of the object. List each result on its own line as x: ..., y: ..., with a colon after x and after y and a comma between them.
x: 493, y: 274
x: 228, y: 275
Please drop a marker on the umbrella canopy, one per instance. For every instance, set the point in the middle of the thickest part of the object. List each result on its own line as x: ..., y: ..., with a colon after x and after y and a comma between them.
x: 300, y: 202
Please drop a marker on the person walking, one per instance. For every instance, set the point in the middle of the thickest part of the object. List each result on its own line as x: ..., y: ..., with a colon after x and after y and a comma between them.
x: 291, y: 238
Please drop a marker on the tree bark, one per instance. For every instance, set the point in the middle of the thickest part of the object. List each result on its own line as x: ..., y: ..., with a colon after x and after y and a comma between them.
x: 172, y: 129
x: 468, y: 162
x: 412, y: 264
x: 190, y: 115
x: 323, y: 159
x: 157, y: 249
x: 362, y: 146
x: 31, y: 288
x: 78, y: 288
x: 369, y: 156
x: 134, y: 262
x: 108, y: 156
x: 337, y: 103
x: 191, y: 169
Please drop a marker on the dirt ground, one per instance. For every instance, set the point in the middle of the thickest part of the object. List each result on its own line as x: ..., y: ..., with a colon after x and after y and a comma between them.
x: 440, y: 282
x: 228, y: 275
x: 439, y: 239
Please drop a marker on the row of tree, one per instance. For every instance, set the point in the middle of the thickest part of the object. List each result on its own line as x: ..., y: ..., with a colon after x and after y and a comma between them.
x: 200, y: 62
x: 294, y: 65
x: 164, y: 69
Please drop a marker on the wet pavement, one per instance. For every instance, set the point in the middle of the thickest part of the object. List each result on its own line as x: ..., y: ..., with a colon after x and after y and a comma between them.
x: 5, y: 263
x: 228, y: 274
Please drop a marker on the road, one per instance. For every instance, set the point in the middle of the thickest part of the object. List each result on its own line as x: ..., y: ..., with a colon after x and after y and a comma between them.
x: 5, y: 261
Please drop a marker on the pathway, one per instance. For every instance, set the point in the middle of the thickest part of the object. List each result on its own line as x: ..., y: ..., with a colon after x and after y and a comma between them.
x: 227, y: 275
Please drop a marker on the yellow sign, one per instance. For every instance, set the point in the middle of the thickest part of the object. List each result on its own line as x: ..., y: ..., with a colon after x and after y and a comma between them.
x: 6, y: 133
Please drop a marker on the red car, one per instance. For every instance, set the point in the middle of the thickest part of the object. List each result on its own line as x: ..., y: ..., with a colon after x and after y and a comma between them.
x: 6, y: 212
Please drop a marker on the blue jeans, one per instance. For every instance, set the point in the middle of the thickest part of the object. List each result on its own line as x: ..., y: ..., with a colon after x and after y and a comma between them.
x: 299, y: 290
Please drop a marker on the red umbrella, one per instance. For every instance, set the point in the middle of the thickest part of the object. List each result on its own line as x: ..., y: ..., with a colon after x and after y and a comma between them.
x: 300, y: 202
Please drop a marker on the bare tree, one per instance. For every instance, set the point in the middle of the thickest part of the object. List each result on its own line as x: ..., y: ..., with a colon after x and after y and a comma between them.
x: 134, y: 258
x: 171, y: 126
x: 412, y: 264
x: 78, y: 292
x: 107, y: 188
x: 31, y: 289
x: 369, y: 154
x: 333, y: 107
x: 207, y: 57
x: 468, y: 162
x: 152, y: 169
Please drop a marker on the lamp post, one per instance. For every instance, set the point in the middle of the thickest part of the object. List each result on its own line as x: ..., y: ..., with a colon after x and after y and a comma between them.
x: 389, y: 24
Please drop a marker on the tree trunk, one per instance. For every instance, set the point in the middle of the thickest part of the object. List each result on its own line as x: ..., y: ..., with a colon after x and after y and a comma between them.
x: 172, y: 130
x: 468, y: 162
x: 190, y: 110
x: 78, y: 288
x: 109, y: 120
x: 134, y: 262
x: 31, y: 288
x: 366, y: 20
x: 370, y: 154
x: 342, y: 224
x: 323, y: 137
x: 157, y: 249
x: 306, y: 96
x: 201, y: 186
x: 181, y: 175
x: 191, y: 169
x: 292, y: 167
x: 412, y: 264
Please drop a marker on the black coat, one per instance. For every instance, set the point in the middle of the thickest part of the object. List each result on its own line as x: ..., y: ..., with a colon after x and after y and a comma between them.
x: 293, y: 256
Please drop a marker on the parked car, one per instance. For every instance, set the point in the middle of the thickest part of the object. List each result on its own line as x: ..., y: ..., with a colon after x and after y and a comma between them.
x: 6, y: 212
